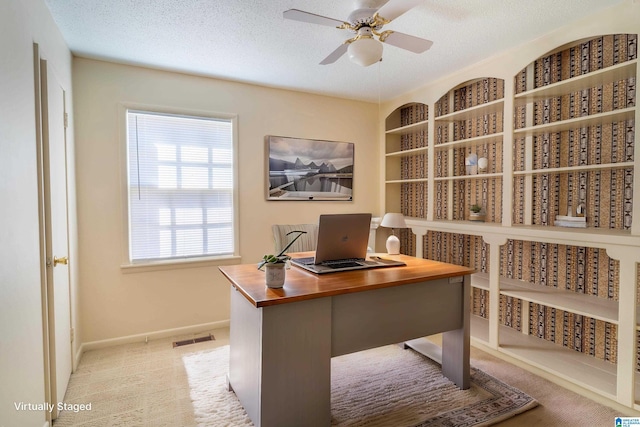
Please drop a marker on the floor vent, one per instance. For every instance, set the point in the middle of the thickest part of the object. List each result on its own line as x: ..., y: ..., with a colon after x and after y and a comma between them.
x: 209, y: 337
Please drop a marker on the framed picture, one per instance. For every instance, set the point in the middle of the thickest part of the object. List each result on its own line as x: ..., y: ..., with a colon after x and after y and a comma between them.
x: 309, y: 169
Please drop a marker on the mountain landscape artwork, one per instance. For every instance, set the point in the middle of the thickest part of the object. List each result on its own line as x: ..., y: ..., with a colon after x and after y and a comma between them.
x: 307, y: 169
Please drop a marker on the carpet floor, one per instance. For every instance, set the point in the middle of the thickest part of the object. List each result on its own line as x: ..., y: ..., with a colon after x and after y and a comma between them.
x: 155, y: 384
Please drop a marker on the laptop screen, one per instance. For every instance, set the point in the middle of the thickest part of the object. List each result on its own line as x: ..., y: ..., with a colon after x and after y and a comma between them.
x: 342, y: 236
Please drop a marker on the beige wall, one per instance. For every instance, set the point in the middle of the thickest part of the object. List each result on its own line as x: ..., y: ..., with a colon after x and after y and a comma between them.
x: 23, y: 22
x: 117, y: 304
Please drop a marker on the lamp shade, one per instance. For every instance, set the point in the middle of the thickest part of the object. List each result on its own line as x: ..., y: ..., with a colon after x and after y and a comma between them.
x: 365, y: 51
x: 393, y: 220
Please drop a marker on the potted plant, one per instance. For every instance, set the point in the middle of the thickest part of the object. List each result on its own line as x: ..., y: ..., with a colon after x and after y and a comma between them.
x: 274, y: 265
x: 475, y: 213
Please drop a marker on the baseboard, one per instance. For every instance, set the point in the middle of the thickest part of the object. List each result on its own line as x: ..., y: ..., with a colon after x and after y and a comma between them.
x: 194, y: 329
x: 77, y: 357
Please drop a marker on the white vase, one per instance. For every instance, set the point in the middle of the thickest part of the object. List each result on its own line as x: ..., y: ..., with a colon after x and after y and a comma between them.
x: 274, y: 274
x: 483, y: 163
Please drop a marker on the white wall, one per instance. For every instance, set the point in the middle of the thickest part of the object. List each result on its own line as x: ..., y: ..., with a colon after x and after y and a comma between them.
x: 23, y: 22
x: 117, y: 304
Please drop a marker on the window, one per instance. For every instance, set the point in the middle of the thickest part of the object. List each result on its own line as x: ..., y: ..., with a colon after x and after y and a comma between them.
x: 181, y: 186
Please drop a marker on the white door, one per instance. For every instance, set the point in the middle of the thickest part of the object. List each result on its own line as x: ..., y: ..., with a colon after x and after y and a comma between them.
x: 54, y: 158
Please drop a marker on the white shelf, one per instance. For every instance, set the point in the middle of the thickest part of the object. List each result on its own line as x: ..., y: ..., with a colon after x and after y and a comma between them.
x: 584, y: 168
x: 577, y: 122
x: 591, y: 237
x: 596, y: 78
x: 476, y: 176
x: 586, y: 371
x: 588, y: 305
x: 473, y: 112
x: 409, y: 128
x: 405, y: 181
x: 480, y: 281
x: 407, y: 153
x: 470, y: 142
x: 562, y: 299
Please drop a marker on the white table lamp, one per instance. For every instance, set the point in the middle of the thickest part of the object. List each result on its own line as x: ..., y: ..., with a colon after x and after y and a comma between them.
x: 393, y: 221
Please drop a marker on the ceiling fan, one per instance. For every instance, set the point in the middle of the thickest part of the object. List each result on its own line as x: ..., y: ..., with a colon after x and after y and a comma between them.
x: 366, y: 21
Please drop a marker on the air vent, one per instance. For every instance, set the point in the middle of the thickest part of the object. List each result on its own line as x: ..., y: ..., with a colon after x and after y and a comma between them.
x: 209, y: 337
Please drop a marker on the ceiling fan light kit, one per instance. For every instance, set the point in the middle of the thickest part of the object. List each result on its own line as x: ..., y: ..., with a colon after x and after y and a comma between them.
x: 366, y: 21
x: 365, y: 50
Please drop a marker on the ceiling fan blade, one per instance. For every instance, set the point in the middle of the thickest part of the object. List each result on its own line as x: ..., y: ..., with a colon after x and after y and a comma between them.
x: 395, y: 8
x: 335, y: 55
x: 405, y: 41
x: 312, y: 18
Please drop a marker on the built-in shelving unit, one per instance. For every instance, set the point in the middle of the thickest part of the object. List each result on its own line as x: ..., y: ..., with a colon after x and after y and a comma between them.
x: 473, y: 130
x: 563, y: 300
x: 572, y: 137
x: 406, y: 156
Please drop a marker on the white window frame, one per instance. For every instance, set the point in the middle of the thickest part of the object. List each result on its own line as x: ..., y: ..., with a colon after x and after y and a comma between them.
x: 150, y: 265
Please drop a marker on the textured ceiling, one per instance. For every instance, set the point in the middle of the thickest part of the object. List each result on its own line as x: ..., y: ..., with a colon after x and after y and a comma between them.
x: 249, y: 41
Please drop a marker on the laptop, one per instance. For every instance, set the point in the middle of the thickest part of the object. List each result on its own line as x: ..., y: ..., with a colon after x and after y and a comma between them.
x: 342, y: 246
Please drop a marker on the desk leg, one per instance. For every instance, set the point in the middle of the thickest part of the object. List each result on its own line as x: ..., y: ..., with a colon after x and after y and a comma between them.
x: 456, y: 344
x: 280, y: 364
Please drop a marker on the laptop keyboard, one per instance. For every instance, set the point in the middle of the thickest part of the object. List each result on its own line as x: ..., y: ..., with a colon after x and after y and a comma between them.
x: 342, y: 263
x: 305, y: 260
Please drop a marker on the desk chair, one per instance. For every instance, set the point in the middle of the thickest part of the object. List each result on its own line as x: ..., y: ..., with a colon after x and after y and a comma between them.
x: 306, y: 242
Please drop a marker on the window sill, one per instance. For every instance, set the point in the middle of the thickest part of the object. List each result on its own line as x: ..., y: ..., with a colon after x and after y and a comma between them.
x: 179, y: 264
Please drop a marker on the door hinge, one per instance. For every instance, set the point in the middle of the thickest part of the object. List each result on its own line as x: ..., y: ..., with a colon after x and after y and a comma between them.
x: 73, y: 334
x: 66, y: 120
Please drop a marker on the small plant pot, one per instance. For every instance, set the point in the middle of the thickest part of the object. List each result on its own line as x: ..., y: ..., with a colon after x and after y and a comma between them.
x: 274, y: 274
x: 476, y: 216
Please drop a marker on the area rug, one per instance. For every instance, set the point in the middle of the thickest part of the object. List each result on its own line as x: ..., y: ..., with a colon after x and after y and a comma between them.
x: 386, y: 386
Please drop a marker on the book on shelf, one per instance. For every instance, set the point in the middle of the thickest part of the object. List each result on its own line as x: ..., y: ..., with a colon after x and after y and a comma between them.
x: 570, y: 221
x: 571, y: 224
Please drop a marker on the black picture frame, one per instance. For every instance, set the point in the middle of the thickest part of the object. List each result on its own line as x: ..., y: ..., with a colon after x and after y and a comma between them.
x: 309, y: 169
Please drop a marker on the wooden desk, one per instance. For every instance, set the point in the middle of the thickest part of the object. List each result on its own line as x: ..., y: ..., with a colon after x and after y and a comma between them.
x: 282, y: 340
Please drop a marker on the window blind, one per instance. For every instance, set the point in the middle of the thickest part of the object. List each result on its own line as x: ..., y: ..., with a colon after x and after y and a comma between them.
x: 180, y: 186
